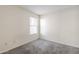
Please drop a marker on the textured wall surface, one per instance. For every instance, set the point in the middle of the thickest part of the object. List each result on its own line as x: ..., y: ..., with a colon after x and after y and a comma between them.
x: 14, y: 27
x: 62, y: 26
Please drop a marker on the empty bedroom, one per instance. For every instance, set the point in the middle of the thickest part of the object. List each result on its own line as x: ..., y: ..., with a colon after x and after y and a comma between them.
x: 39, y: 29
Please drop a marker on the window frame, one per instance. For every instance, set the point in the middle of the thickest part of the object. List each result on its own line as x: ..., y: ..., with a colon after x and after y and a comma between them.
x: 33, y: 25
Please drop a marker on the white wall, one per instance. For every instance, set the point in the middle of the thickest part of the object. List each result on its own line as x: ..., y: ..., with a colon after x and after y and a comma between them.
x: 61, y: 26
x: 14, y: 27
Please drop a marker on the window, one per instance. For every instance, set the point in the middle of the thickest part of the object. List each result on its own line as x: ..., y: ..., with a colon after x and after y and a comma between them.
x: 33, y: 25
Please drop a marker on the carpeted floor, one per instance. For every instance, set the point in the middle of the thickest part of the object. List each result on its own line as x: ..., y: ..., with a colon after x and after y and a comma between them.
x: 41, y: 46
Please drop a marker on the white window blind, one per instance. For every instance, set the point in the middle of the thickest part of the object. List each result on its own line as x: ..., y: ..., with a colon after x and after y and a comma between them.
x: 33, y: 25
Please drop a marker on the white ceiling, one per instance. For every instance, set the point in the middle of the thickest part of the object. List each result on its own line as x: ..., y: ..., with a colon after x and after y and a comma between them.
x: 43, y: 9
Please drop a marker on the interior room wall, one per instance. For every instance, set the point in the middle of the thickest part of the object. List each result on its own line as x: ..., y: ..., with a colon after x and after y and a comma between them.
x: 61, y: 26
x: 14, y: 27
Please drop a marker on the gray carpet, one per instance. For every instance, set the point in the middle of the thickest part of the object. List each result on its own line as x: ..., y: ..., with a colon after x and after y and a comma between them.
x: 41, y: 46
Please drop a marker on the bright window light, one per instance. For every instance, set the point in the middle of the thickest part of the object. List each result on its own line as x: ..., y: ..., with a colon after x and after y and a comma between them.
x: 33, y: 25
x: 43, y: 25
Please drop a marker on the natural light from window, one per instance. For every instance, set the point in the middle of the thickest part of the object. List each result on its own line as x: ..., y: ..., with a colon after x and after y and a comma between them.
x: 33, y: 25
x: 43, y: 25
